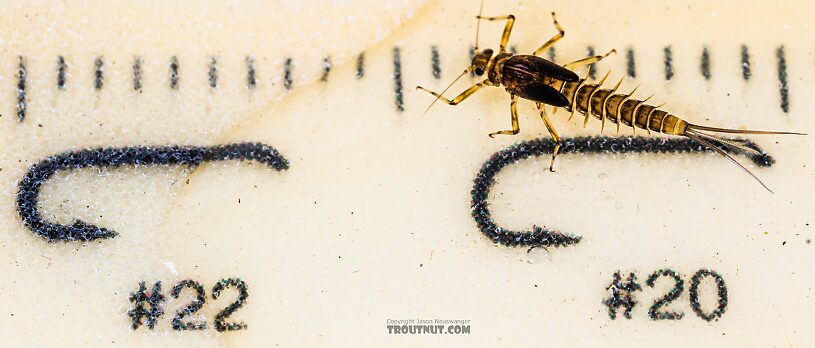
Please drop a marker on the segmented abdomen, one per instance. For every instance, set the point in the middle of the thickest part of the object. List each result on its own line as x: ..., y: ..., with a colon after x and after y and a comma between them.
x: 632, y: 113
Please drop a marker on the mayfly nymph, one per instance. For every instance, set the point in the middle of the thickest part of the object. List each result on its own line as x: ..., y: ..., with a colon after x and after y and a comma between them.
x: 547, y: 83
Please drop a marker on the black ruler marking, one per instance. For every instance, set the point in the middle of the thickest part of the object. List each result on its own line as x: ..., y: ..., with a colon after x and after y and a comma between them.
x: 783, y: 87
x: 21, y: 99
x: 251, y: 79
x: 137, y: 71
x: 326, y: 69
x: 361, y: 65
x: 98, y: 73
x: 174, y: 66
x: 435, y: 62
x: 746, y: 73
x: 631, y: 64
x: 287, y: 77
x: 592, y: 68
x: 669, y: 68
x: 705, y: 63
x: 61, y: 67
x: 212, y: 74
x: 397, y: 79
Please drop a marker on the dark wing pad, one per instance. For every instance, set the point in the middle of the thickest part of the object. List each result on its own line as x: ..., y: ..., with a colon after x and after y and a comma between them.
x: 543, y: 93
x: 543, y: 67
x: 556, y: 71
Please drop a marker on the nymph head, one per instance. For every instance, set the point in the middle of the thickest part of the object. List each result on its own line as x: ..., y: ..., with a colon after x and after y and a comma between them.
x: 480, y: 61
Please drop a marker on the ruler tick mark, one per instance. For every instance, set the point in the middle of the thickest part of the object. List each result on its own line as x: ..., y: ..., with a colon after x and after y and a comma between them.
x: 61, y: 67
x: 435, y: 61
x: 669, y: 69
x: 174, y: 66
x: 137, y: 71
x: 361, y: 65
x: 251, y: 80
x: 631, y: 63
x: 592, y: 68
x: 705, y: 63
x: 213, y: 72
x: 326, y: 69
x: 287, y: 78
x: 745, y: 63
x: 397, y: 79
x: 783, y: 87
x: 21, y: 79
x: 98, y: 80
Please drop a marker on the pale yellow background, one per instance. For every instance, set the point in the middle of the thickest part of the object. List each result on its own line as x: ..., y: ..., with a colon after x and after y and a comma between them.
x: 372, y: 222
